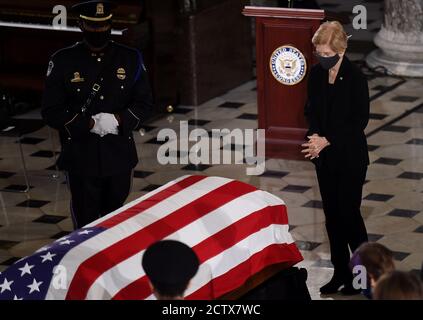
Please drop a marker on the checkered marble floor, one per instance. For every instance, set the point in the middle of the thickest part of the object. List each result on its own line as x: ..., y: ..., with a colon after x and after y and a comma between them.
x: 392, y: 199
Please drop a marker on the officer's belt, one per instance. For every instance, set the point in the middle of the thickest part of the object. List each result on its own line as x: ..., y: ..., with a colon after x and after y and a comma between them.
x: 96, y: 86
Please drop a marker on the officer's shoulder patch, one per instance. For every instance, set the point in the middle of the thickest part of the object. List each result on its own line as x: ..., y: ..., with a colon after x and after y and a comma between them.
x: 50, y: 68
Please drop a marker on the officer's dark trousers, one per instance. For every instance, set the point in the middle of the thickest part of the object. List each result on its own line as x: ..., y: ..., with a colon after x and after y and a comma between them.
x: 341, y: 193
x: 94, y: 197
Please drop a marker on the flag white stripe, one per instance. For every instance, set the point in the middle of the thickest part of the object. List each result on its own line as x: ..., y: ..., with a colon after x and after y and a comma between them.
x: 235, y: 255
x: 135, y: 202
x: 128, y: 271
x: 79, y: 254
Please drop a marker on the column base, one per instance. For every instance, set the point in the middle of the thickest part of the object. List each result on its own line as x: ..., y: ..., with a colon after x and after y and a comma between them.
x: 400, y: 68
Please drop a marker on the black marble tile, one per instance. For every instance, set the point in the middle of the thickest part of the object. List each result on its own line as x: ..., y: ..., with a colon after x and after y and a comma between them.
x: 411, y: 175
x: 317, y: 204
x: 10, y: 261
x: 307, y: 245
x: 416, y: 141
x: 419, y: 109
x: 372, y: 147
x: 155, y: 141
x: 142, y: 174
x: 296, y: 188
x: 43, y: 154
x: 388, y: 161
x: 197, y: 122
x: 193, y: 167
x: 323, y: 264
x: 248, y: 116
x: 231, y: 105
x: 381, y: 88
x: 50, y: 219
x: 33, y: 204
x: 403, y: 213
x: 17, y: 187
x: 377, y: 116
x: 61, y: 234
x: 6, y: 244
x: 274, y: 174
x: 374, y: 237
x: 233, y: 147
x: 6, y: 175
x: 392, y: 128
x: 399, y: 256
x: 31, y: 140
x: 150, y: 188
x: 405, y: 99
x: 379, y: 197
x: 180, y: 110
x: 419, y: 229
x: 179, y: 154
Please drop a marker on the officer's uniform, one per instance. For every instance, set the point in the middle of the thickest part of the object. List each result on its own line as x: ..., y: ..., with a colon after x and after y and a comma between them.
x: 99, y: 168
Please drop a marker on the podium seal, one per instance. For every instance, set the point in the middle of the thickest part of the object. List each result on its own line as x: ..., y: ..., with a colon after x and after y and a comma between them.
x: 288, y: 65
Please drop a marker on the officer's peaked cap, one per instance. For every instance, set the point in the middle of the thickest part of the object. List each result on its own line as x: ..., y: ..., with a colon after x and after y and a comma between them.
x: 95, y: 10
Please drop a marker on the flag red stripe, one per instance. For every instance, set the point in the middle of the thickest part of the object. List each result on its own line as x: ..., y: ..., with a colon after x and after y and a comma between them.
x: 96, y: 265
x: 151, y: 201
x: 236, y: 277
x: 217, y: 243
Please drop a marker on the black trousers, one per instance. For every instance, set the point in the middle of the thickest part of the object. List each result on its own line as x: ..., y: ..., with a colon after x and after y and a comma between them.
x: 94, y: 197
x: 341, y: 193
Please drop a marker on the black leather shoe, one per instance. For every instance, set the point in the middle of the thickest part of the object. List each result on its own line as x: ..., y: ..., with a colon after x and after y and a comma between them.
x: 332, y: 286
x: 349, y: 290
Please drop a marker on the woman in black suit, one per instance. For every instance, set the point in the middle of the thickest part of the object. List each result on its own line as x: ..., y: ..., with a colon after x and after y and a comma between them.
x: 338, y: 112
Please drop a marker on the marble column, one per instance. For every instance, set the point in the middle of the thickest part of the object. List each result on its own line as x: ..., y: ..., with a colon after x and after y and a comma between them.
x: 400, y: 39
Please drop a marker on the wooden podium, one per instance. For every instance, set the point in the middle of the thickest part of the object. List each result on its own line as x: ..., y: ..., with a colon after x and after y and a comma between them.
x: 281, y: 102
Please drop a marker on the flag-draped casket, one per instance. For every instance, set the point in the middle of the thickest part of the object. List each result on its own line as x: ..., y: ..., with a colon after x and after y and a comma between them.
x: 235, y: 229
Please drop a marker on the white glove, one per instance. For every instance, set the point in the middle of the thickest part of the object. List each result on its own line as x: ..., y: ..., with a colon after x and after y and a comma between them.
x: 105, y: 123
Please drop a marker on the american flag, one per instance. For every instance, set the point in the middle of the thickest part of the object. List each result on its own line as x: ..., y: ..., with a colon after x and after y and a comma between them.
x: 235, y: 229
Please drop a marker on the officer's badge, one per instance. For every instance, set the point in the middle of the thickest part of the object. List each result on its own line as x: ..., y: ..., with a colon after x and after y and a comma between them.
x: 77, y: 78
x: 50, y: 68
x: 100, y: 9
x: 121, y: 74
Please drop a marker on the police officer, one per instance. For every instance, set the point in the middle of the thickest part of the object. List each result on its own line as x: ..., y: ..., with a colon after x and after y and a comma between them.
x: 169, y: 266
x: 96, y: 94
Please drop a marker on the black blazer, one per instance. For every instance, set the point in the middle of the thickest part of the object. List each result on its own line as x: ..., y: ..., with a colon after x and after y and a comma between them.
x: 343, y: 126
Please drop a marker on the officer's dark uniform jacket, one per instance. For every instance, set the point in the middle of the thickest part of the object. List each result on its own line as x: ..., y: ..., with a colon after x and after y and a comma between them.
x: 124, y: 91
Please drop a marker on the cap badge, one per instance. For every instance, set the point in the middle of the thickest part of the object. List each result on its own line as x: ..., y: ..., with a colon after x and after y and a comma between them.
x: 100, y: 9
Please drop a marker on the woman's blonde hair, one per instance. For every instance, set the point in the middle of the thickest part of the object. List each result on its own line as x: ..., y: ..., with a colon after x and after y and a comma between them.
x: 333, y: 34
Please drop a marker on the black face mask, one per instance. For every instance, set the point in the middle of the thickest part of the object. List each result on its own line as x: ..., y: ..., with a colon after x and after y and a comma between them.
x: 328, y: 62
x: 97, y: 39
